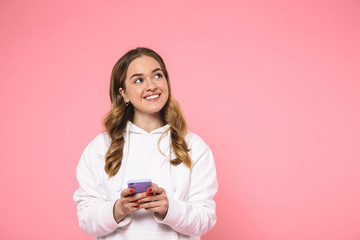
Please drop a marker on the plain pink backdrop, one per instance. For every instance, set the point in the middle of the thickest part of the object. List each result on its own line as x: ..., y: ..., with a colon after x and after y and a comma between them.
x: 272, y: 86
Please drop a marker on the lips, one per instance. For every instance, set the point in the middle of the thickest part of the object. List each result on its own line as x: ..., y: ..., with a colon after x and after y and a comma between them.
x: 152, y: 97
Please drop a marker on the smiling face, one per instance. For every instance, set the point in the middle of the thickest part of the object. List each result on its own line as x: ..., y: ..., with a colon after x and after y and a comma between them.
x: 146, y: 87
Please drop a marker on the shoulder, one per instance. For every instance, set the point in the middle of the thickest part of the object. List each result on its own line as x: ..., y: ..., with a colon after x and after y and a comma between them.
x: 92, y: 160
x: 194, y: 140
x: 98, y: 146
x: 101, y: 140
x: 197, y: 146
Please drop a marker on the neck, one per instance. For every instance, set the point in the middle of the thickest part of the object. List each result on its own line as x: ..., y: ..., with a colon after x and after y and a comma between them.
x: 148, y: 122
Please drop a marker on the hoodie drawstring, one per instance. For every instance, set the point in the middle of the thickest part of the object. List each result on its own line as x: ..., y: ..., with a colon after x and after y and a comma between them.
x: 172, y: 185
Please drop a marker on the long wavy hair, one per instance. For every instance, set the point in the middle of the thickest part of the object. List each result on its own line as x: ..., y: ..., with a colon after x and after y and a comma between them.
x: 116, y: 119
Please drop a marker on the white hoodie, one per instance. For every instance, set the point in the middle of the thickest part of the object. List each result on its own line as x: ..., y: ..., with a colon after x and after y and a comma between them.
x: 190, y: 192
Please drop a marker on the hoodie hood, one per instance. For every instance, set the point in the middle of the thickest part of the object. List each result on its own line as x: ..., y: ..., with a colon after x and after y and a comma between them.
x: 132, y: 128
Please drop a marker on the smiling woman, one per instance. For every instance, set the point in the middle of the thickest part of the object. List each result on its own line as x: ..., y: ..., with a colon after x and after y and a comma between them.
x: 146, y: 138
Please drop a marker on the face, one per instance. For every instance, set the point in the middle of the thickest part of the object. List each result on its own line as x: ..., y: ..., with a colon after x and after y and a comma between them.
x: 146, y: 87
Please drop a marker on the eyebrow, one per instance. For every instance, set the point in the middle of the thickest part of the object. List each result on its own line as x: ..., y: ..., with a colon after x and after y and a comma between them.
x: 139, y: 74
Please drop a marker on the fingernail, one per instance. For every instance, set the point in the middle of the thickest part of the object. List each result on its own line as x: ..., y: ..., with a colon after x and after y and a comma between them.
x: 148, y: 194
x: 132, y: 190
x: 137, y: 206
x: 136, y: 201
x: 149, y: 189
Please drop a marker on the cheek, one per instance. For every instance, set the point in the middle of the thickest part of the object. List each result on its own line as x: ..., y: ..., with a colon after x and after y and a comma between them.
x: 134, y: 93
x: 164, y: 87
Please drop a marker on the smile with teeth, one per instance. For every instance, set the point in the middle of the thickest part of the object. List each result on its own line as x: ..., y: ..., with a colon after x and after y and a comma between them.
x: 152, y: 96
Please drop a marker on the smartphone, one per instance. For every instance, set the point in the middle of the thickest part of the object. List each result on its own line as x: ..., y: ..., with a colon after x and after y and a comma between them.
x: 139, y: 185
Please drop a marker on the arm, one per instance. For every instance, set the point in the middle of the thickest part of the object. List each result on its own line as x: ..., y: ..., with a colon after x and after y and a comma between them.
x: 196, y: 215
x: 95, y: 212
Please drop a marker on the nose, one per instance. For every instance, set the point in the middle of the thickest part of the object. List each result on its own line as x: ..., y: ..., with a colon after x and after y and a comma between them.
x: 151, y: 85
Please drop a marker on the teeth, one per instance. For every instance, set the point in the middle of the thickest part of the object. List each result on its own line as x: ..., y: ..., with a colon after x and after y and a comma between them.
x: 152, y: 97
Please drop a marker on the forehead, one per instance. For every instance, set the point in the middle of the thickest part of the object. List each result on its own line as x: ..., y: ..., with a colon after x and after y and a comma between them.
x: 142, y: 65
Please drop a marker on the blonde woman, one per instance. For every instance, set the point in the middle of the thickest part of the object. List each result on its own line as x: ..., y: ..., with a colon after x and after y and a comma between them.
x: 146, y: 137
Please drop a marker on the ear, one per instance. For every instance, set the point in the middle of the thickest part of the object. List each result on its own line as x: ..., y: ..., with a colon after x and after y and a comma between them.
x: 122, y: 92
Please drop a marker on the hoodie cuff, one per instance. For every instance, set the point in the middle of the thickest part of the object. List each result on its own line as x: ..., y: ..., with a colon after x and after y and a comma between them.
x: 171, y: 217
x: 108, y: 217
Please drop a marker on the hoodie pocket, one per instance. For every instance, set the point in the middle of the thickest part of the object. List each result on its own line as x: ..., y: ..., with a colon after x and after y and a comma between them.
x: 129, y: 235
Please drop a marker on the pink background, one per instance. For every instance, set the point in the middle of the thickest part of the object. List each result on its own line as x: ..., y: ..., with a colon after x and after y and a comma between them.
x: 272, y: 86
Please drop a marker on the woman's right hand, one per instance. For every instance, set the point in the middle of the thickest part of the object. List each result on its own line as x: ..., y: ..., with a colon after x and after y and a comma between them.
x: 127, y: 204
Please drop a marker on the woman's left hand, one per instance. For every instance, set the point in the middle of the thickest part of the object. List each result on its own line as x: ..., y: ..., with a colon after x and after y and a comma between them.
x: 155, y: 200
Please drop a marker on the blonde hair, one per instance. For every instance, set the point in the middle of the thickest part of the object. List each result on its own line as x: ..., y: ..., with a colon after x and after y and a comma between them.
x: 116, y: 120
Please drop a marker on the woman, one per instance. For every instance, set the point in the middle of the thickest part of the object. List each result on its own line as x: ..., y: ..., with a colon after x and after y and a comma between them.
x: 146, y: 137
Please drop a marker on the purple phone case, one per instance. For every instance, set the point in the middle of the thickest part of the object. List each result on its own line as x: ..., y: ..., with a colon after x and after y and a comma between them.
x: 139, y: 185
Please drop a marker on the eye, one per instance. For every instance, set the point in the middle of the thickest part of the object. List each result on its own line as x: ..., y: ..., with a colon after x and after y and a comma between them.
x: 158, y: 75
x: 138, y: 80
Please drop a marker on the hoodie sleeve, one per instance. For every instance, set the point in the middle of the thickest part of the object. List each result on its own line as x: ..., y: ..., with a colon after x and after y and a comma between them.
x: 196, y: 215
x: 95, y: 212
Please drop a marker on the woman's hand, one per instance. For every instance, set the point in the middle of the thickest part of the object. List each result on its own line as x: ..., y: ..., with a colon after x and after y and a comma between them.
x: 127, y: 204
x: 155, y: 200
